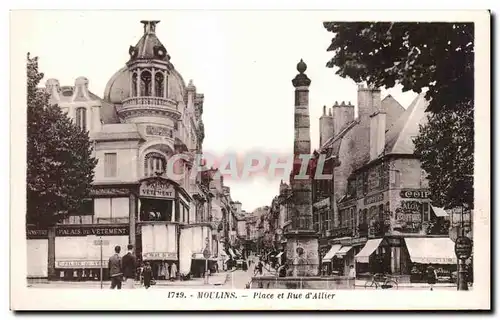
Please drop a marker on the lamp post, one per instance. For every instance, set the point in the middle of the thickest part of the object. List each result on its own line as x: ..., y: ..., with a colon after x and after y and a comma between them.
x: 463, y: 250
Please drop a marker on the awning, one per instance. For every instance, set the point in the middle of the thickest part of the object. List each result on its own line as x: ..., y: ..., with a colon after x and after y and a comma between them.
x: 343, y: 251
x: 431, y: 250
x: 231, y: 252
x: 333, y: 250
x: 237, y: 252
x: 439, y: 212
x: 279, y: 254
x: 371, y: 245
x: 198, y: 256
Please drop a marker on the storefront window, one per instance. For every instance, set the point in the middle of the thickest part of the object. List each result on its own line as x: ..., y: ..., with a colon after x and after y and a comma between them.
x: 156, y: 210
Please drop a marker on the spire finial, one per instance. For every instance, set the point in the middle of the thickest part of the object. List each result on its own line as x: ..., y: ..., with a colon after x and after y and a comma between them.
x: 149, y: 25
x: 301, y: 66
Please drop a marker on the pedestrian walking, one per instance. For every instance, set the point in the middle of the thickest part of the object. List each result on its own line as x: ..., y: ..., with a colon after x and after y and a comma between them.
x: 352, y: 277
x: 115, y: 269
x: 173, y: 271
x: 147, y: 274
x: 258, y: 268
x: 431, y: 276
x: 129, y: 267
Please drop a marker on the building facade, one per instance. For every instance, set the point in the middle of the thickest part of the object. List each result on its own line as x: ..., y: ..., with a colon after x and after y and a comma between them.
x: 376, y: 210
x: 146, y: 131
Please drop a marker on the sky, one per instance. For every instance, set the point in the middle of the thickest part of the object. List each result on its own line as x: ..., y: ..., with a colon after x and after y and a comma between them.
x: 242, y: 61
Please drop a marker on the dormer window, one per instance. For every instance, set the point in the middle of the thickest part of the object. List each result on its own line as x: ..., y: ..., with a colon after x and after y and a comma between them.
x: 81, y: 118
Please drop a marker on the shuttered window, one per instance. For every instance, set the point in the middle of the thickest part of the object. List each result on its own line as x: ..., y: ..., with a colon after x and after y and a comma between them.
x: 110, y: 160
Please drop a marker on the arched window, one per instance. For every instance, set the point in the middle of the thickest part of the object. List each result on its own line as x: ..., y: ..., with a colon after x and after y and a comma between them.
x: 154, y: 164
x: 145, y: 83
x: 159, y: 85
x: 134, y: 84
x: 81, y: 118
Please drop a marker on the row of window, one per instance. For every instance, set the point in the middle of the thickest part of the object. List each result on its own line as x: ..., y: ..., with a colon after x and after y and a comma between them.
x: 154, y: 164
x: 147, y: 86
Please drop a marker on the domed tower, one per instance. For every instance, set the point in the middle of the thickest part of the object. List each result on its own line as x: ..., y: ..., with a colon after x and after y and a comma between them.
x: 148, y: 90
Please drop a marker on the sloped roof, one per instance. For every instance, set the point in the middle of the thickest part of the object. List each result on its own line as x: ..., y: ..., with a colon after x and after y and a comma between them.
x: 119, y: 131
x: 149, y: 46
x: 393, y: 110
x: 108, y: 110
x: 399, y: 138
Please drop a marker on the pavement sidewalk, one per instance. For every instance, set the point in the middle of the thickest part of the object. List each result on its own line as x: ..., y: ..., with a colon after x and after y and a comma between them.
x: 361, y: 283
x: 216, y: 279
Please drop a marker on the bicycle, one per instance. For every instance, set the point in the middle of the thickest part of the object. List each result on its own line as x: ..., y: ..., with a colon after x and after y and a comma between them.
x: 383, y: 281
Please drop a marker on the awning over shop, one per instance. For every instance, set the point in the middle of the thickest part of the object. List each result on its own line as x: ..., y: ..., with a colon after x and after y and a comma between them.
x: 439, y: 212
x: 279, y: 254
x: 431, y: 250
x: 343, y: 251
x: 371, y: 245
x: 237, y: 252
x: 198, y: 256
x: 330, y: 254
x: 231, y: 252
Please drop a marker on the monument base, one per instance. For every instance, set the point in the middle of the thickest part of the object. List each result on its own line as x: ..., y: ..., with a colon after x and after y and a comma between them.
x: 302, y: 254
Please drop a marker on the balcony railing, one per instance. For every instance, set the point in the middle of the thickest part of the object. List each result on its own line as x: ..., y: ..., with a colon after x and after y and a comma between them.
x: 149, y: 101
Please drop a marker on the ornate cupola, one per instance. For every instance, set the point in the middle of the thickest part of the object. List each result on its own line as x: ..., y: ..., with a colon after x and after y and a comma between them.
x: 149, y: 70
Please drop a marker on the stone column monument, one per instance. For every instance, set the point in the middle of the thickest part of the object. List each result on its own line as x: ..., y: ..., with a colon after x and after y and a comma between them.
x: 302, y: 240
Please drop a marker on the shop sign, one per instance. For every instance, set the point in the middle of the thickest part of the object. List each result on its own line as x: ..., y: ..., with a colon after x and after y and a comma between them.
x: 415, y: 194
x: 76, y: 264
x: 378, y: 197
x: 463, y: 247
x: 413, y: 206
x: 91, y: 231
x: 109, y: 192
x: 354, y: 242
x: 157, y: 189
x: 159, y: 256
x: 347, y: 204
x: 36, y: 234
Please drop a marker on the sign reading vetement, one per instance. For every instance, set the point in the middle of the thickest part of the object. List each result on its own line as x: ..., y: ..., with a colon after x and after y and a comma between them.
x: 463, y: 247
x: 157, y: 190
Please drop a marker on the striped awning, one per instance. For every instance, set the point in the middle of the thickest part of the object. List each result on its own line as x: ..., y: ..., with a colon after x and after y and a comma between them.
x: 343, y: 251
x: 364, y: 255
x: 331, y: 253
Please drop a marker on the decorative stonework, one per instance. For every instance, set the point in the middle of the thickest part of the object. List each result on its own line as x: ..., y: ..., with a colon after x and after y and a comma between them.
x: 145, y: 111
x: 159, y: 131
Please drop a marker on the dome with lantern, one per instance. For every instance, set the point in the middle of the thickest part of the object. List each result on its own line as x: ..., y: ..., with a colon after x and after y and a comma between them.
x: 148, y: 78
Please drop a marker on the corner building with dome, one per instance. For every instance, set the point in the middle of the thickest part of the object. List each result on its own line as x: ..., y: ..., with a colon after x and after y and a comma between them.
x: 146, y: 116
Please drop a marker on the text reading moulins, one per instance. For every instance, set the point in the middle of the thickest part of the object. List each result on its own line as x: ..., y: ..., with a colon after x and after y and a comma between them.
x: 217, y: 295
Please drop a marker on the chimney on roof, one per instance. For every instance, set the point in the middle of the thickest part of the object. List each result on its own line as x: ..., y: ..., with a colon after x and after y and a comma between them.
x: 326, y: 127
x: 342, y: 114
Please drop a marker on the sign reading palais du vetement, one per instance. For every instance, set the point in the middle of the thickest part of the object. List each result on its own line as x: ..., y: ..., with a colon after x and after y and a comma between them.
x: 157, y: 189
x: 159, y: 256
x: 91, y: 231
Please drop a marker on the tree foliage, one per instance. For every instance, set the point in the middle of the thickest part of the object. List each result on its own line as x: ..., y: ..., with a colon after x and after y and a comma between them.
x: 436, y: 56
x: 445, y: 146
x: 60, y: 166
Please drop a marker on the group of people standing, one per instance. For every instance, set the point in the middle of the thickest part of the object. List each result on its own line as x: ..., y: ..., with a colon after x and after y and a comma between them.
x: 122, y: 268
